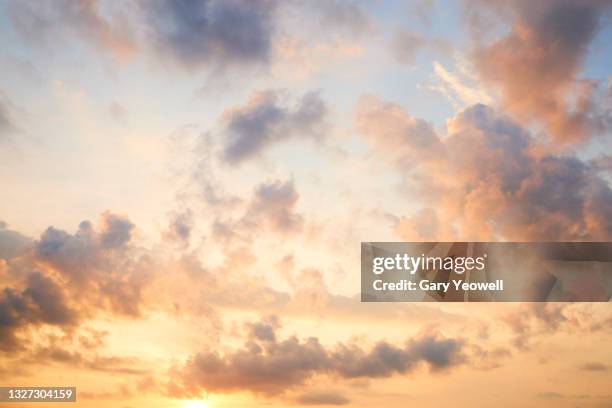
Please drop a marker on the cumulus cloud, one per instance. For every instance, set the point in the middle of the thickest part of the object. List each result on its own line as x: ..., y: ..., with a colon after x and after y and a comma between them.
x: 269, y: 366
x: 116, y: 230
x: 97, y: 260
x: 215, y: 33
x: 40, y: 301
x: 78, y: 256
x: 536, y: 65
x: 488, y: 179
x: 267, y: 119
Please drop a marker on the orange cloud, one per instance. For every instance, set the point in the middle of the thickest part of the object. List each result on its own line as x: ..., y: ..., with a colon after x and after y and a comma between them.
x: 487, y: 179
x: 537, y: 64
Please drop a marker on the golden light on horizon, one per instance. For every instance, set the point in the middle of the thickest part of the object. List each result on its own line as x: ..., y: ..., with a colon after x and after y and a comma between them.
x: 196, y: 404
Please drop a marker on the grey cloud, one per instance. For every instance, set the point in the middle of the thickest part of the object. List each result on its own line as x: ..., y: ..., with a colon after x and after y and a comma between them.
x: 40, y: 302
x: 6, y: 121
x: 270, y: 366
x: 322, y: 398
x: 181, y: 226
x: 386, y: 359
x: 64, y: 354
x: 264, y: 330
x: 217, y: 33
x: 73, y: 255
x: 97, y: 261
x: 266, y: 120
x: 274, y: 203
x: 79, y: 255
x: 345, y: 15
x: 594, y: 366
x: 116, y: 230
x: 272, y: 206
x: 488, y: 178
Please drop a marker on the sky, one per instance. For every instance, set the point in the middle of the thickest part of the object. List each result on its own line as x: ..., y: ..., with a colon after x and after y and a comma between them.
x: 185, y: 186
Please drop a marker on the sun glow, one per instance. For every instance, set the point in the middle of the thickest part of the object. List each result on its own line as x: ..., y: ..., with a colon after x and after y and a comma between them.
x: 196, y: 404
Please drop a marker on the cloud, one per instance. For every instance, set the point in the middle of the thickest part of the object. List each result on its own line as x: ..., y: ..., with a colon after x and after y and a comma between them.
x: 343, y: 15
x: 528, y: 322
x: 594, y: 366
x: 401, y: 136
x: 12, y: 243
x: 8, y: 124
x: 549, y: 395
x: 456, y: 87
x: 269, y: 366
x: 40, y: 301
x: 266, y: 120
x: 80, y: 255
x: 322, y: 398
x: 49, y: 22
x: 536, y: 65
x: 98, y: 261
x: 116, y: 230
x: 274, y: 203
x: 488, y: 179
x: 213, y: 33
x: 67, y: 355
x: 181, y: 226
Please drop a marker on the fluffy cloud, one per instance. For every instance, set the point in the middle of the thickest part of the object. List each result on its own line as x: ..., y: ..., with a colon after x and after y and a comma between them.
x: 536, y: 65
x: 40, y: 301
x: 268, y: 366
x: 216, y: 33
x: 267, y: 119
x: 488, y: 179
x: 97, y: 261
x: 78, y: 256
x: 274, y: 203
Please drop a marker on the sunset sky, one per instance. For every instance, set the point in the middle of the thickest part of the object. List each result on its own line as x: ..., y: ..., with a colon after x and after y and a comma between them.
x: 185, y: 186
